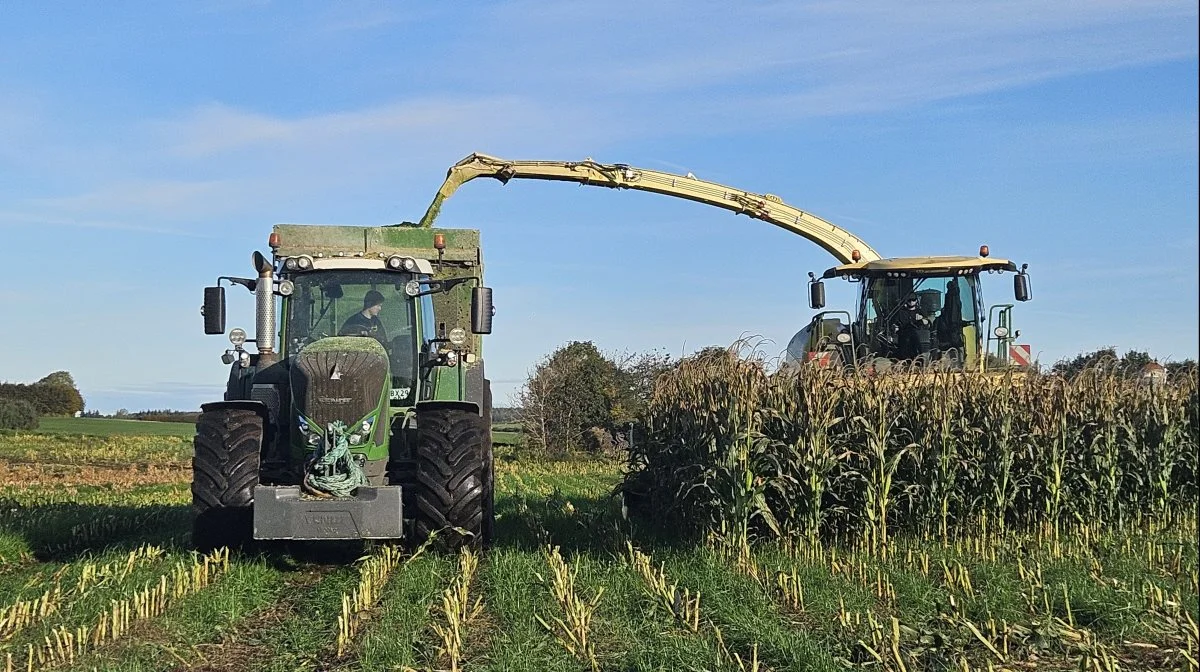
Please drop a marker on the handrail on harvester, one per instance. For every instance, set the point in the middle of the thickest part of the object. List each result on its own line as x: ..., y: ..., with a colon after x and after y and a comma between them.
x: 770, y: 208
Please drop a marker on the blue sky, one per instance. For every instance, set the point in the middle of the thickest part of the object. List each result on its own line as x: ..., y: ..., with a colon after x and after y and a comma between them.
x: 146, y: 148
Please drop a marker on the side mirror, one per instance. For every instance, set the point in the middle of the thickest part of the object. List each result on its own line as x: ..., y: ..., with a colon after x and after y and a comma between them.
x: 816, y: 293
x: 482, y: 310
x: 214, y: 310
x: 1021, y: 287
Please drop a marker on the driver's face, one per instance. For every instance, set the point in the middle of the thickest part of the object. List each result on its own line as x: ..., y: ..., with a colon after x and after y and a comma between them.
x: 374, y: 310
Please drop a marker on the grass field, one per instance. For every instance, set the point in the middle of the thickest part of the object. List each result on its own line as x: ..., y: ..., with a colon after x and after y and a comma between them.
x: 95, y: 574
x: 504, y: 435
x: 114, y: 427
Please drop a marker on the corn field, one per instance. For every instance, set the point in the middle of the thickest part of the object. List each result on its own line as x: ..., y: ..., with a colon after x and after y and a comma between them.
x: 810, y: 454
x: 96, y: 570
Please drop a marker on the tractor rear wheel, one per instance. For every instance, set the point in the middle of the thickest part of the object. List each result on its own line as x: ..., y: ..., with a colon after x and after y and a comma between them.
x: 452, y: 476
x: 224, y: 473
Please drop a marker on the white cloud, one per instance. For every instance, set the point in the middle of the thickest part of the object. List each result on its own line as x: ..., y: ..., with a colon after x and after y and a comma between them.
x: 216, y: 129
x: 792, y: 60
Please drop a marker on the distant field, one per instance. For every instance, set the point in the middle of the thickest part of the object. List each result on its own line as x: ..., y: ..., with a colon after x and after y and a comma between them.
x: 502, y: 434
x: 504, y: 438
x: 112, y: 427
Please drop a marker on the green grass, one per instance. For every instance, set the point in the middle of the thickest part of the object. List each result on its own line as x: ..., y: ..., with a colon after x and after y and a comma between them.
x: 278, y: 609
x: 103, y: 450
x: 504, y: 438
x: 502, y: 435
x: 114, y: 427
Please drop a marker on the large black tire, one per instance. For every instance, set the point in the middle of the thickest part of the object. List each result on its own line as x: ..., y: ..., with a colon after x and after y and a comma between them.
x: 452, y: 472
x: 224, y: 473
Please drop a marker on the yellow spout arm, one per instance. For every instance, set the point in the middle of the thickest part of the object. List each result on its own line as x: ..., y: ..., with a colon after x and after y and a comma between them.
x: 833, y: 239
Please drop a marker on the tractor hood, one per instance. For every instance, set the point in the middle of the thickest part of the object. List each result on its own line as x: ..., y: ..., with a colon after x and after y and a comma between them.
x: 342, y: 378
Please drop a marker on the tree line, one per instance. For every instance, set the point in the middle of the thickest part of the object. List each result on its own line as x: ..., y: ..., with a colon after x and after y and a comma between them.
x: 22, y: 404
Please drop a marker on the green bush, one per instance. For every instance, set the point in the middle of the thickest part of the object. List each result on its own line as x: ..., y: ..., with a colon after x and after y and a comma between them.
x: 17, y: 414
x: 47, y: 398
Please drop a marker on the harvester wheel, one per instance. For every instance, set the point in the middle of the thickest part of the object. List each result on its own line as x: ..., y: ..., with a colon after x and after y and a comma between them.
x: 452, y: 474
x: 224, y: 473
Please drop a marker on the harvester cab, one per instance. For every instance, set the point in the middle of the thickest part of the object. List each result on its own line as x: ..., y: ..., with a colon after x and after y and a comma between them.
x: 928, y: 310
x: 364, y: 412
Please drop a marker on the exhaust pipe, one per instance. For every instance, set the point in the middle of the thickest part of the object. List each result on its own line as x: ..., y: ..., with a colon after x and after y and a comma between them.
x: 264, y: 304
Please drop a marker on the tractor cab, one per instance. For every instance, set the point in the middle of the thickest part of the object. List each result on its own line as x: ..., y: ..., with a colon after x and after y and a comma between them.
x: 927, y: 310
x: 366, y: 303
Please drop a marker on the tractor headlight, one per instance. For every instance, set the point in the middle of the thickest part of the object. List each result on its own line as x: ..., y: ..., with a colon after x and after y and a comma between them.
x: 1001, y: 332
x: 450, y: 358
x: 237, y: 336
x: 304, y: 263
x: 364, y: 431
x: 290, y: 263
x: 313, y: 439
x: 458, y: 336
x: 412, y: 287
x: 843, y: 337
x: 398, y: 263
x: 286, y: 287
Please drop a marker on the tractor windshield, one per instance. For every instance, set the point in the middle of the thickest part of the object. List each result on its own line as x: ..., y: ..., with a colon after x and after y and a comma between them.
x: 927, y: 318
x: 355, y: 302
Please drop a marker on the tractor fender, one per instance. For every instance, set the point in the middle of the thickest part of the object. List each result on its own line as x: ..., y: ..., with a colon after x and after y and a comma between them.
x: 244, y: 405
x: 469, y: 406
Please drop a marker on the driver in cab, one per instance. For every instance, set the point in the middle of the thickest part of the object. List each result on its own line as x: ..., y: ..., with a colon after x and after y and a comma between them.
x: 366, y: 322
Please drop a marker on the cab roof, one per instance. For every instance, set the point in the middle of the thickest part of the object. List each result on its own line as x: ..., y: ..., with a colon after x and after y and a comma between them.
x: 921, y: 266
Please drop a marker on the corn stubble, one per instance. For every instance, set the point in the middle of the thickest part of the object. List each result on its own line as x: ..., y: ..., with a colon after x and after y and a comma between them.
x: 571, y: 627
x: 458, y: 610
x: 63, y: 644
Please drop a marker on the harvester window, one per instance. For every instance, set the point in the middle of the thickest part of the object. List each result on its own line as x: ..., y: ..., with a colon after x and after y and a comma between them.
x: 928, y: 317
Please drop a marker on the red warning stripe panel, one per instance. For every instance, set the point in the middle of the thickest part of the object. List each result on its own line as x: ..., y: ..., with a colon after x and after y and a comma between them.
x: 1020, y: 354
x: 821, y: 358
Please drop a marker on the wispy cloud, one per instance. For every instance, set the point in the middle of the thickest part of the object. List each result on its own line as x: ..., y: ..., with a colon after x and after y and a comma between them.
x: 783, y: 61
x: 217, y: 128
x: 40, y: 219
x: 542, y: 91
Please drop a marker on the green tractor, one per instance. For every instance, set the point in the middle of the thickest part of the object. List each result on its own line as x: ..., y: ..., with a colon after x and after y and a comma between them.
x: 364, y: 412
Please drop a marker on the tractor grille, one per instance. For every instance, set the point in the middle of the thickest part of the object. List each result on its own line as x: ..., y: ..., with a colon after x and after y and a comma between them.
x: 340, y: 378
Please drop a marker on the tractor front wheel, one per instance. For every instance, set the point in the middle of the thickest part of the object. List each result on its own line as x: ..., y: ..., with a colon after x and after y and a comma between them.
x: 453, y: 474
x: 224, y: 473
